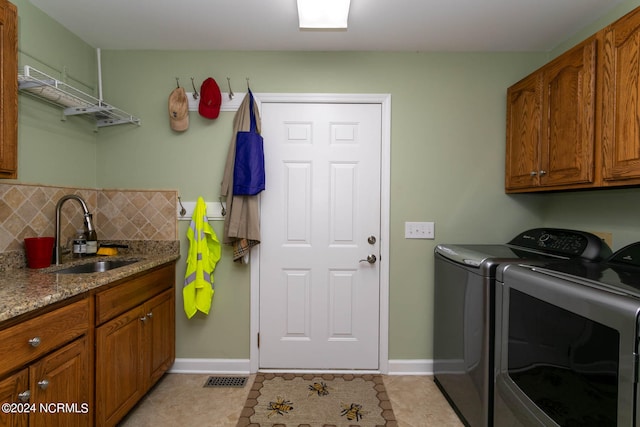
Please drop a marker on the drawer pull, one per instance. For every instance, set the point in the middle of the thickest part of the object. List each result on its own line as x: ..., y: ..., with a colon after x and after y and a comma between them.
x: 24, y: 396
x: 43, y: 384
x: 143, y: 319
x: 34, y: 341
x: 150, y: 314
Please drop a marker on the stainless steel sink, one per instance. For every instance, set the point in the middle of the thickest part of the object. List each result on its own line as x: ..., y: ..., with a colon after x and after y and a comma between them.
x: 96, y: 267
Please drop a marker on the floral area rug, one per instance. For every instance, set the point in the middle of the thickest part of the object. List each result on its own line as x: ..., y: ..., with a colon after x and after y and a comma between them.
x: 321, y: 400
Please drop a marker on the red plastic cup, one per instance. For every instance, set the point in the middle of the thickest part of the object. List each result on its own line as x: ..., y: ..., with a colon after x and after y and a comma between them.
x: 39, y: 251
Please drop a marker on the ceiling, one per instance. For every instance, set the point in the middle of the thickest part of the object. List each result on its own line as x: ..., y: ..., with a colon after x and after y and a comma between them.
x: 374, y: 25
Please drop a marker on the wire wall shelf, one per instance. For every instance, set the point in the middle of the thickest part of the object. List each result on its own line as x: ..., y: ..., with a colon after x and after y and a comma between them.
x: 73, y: 101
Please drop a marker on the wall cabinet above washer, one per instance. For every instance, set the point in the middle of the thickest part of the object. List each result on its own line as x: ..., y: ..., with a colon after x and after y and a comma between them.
x: 575, y: 122
x: 621, y: 101
x: 550, y: 124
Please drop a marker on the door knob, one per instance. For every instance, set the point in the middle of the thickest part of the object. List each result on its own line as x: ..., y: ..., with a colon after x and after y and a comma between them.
x: 371, y: 259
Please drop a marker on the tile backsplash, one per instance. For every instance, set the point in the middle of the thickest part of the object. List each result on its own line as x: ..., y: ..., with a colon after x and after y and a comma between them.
x: 29, y: 211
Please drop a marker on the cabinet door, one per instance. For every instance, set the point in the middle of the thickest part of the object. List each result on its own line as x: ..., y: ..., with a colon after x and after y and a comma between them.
x: 568, y: 132
x: 160, y: 335
x: 524, y: 122
x: 8, y: 90
x: 59, y: 385
x: 621, y: 99
x: 119, y: 366
x: 10, y: 388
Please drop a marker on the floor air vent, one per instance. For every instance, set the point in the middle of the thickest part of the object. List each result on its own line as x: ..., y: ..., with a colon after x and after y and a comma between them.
x: 226, y: 382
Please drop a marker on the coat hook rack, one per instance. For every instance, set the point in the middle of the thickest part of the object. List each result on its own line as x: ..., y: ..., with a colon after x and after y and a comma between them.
x: 231, y: 94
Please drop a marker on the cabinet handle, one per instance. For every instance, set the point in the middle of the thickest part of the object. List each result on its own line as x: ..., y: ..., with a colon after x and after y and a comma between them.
x: 143, y: 319
x: 24, y: 396
x: 35, y: 341
x: 43, y: 384
x: 150, y: 314
x: 533, y: 173
x: 542, y: 173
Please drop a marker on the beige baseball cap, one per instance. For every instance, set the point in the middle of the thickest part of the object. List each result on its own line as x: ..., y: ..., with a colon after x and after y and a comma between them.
x: 178, y: 110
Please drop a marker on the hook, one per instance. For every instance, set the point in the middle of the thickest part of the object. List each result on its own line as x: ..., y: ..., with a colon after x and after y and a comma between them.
x: 195, y: 92
x: 248, y: 84
x: 183, y: 211
x: 178, y: 82
x: 223, y: 211
x: 230, y: 91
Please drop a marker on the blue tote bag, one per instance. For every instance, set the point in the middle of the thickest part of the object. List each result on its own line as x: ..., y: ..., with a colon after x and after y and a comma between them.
x: 248, y: 169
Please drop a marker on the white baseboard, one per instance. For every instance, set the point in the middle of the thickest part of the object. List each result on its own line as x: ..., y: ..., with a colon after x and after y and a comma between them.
x: 411, y: 367
x: 211, y: 366
x: 243, y: 366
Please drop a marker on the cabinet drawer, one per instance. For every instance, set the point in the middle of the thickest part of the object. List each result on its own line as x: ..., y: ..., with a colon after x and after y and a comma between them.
x: 35, y: 337
x: 130, y: 293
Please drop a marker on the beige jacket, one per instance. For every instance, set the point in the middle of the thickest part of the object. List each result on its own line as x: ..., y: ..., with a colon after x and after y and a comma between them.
x: 242, y: 221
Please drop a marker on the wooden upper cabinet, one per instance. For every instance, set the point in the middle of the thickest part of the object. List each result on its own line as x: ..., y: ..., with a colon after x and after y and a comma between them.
x: 621, y: 100
x: 551, y: 124
x: 524, y: 121
x: 8, y: 90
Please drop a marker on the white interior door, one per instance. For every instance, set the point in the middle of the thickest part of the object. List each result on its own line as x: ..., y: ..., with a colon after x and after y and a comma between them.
x: 319, y: 295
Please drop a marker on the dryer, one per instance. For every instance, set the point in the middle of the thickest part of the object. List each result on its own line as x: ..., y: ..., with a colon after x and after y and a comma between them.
x: 464, y: 310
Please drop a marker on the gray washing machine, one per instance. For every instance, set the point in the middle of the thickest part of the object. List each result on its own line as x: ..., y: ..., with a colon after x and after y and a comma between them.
x: 464, y: 310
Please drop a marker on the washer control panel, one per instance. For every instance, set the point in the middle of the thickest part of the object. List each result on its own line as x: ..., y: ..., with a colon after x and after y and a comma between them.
x: 570, y: 243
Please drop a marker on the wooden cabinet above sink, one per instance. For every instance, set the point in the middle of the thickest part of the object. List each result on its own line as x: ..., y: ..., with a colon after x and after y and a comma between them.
x: 8, y: 90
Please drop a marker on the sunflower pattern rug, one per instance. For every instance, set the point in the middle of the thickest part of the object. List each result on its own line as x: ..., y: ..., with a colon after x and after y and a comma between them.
x: 320, y: 400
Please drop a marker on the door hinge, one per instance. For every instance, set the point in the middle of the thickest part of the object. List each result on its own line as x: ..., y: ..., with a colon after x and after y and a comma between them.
x: 258, y: 339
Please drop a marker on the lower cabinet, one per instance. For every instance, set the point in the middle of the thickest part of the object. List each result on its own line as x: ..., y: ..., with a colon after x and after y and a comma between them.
x: 136, y: 347
x: 47, y: 359
x: 13, y: 391
x: 60, y: 388
x: 49, y: 383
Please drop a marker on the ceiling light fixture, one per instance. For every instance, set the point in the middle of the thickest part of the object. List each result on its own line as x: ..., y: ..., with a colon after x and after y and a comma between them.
x: 323, y: 14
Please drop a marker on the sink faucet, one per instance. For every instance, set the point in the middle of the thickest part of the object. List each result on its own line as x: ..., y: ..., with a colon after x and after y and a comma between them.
x: 87, y: 217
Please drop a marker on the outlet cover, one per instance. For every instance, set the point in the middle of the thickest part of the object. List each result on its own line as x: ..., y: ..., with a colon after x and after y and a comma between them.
x: 419, y: 230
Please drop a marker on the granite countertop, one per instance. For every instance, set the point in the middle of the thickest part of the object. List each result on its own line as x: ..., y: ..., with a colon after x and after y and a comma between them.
x: 23, y: 289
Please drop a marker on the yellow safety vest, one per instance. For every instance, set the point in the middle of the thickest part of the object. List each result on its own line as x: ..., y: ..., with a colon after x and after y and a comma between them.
x: 204, y: 253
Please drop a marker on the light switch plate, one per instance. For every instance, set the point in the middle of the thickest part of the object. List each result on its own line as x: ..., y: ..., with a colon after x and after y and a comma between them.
x: 419, y: 230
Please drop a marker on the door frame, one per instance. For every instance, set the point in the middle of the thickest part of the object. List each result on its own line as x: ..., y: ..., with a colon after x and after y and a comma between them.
x: 385, y: 203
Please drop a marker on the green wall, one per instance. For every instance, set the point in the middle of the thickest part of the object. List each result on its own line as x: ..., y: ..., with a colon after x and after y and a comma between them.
x: 52, y: 151
x: 447, y: 152
x: 447, y: 156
